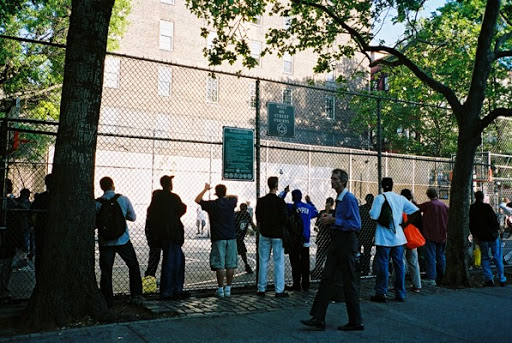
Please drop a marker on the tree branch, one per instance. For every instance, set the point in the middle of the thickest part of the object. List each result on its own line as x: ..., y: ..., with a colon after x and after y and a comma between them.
x: 501, y: 54
x: 497, y: 112
x: 364, y: 47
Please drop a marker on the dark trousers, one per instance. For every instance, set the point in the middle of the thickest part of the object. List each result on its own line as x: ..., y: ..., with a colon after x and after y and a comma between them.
x: 299, y: 259
x: 340, y: 257
x: 153, y: 260
x: 366, y: 257
x: 173, y: 271
x: 107, y: 257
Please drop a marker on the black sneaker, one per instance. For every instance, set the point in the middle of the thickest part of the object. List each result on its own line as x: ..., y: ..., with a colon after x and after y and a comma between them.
x: 488, y: 283
x: 260, y: 294
x: 378, y: 298
x: 351, y: 327
x: 502, y: 284
x: 282, y: 295
x: 314, y: 323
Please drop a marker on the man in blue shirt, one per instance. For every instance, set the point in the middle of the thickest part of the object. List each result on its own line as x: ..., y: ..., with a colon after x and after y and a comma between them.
x: 299, y: 256
x: 341, y: 256
x: 121, y: 246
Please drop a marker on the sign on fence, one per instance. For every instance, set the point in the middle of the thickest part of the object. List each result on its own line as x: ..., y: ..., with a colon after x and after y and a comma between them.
x: 237, y: 154
x: 281, y: 120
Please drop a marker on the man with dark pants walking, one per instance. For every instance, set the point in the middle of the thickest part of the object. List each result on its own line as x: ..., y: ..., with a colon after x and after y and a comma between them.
x: 341, y: 256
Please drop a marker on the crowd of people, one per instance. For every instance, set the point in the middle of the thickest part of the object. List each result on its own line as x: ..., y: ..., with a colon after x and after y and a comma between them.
x: 346, y: 235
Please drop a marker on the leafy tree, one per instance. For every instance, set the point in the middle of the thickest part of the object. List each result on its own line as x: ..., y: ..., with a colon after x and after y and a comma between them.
x: 66, y: 290
x: 32, y: 73
x: 335, y: 29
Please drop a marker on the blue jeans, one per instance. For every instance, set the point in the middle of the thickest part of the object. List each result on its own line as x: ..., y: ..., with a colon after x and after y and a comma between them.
x: 383, y: 256
x: 173, y: 270
x: 435, y: 261
x: 497, y: 257
x: 264, y: 247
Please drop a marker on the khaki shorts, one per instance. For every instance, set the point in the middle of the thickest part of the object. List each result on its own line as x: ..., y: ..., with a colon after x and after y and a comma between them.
x: 223, y: 255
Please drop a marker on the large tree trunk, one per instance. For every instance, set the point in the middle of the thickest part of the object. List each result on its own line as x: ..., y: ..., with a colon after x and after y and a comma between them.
x: 67, y: 289
x: 457, y: 274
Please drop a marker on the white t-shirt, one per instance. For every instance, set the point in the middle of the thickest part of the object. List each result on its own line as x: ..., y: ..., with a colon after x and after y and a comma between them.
x: 399, y: 205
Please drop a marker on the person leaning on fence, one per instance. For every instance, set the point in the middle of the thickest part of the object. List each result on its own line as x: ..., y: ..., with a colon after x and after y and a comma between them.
x: 39, y: 210
x: 243, y: 220
x: 366, y: 237
x: 435, y: 223
x: 223, y: 255
x: 299, y: 254
x: 23, y: 228
x: 341, y: 256
x: 122, y: 246
x: 271, y: 217
x: 390, y: 239
x: 166, y: 232
x: 484, y: 227
x: 323, y: 238
x: 411, y: 255
x: 7, y: 241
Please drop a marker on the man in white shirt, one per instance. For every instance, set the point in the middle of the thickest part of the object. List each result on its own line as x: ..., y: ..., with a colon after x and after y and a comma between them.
x: 390, y: 240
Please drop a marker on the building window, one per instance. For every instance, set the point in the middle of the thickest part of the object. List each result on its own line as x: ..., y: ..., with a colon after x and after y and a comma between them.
x: 287, y: 63
x: 252, y: 95
x: 330, y: 76
x: 330, y: 106
x: 287, y: 22
x: 209, y: 39
x: 212, y: 90
x: 255, y: 47
x: 111, y: 76
x: 164, y: 81
x: 166, y: 35
x: 257, y: 20
x: 287, y: 96
x: 169, y: 2
x: 108, y: 120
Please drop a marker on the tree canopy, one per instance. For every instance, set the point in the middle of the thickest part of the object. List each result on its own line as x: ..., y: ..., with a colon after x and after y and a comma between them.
x: 458, y: 64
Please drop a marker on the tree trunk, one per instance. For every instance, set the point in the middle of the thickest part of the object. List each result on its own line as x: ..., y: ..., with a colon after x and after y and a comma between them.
x: 67, y: 290
x: 457, y: 274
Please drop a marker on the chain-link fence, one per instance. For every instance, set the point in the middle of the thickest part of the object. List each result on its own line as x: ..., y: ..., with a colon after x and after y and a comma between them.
x: 165, y: 119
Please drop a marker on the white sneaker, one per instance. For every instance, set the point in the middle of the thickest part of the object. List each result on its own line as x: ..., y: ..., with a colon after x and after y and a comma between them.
x: 219, y: 293
x: 227, y: 292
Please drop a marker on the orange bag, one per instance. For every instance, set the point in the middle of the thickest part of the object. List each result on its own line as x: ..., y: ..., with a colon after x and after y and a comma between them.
x: 414, y: 237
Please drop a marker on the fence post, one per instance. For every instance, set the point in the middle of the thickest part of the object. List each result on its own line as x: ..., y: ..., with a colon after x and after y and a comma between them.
x: 379, y: 146
x: 258, y: 169
x: 3, y: 170
x: 258, y: 154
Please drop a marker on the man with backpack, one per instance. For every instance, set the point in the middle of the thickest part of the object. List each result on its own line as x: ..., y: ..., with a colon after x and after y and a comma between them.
x: 387, y: 210
x: 112, y: 211
x: 300, y: 215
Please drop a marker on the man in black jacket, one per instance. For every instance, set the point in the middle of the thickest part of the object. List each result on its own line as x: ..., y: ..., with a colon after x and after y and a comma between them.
x: 484, y: 227
x: 165, y: 231
x: 271, y: 216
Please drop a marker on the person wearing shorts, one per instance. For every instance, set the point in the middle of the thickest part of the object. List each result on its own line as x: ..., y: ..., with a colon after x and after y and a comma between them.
x: 223, y: 256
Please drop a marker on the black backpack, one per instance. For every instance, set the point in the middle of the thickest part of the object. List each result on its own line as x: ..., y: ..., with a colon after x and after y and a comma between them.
x: 386, y: 216
x: 110, y: 221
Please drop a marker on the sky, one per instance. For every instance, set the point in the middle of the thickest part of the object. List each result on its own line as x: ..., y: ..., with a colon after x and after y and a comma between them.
x: 391, y: 33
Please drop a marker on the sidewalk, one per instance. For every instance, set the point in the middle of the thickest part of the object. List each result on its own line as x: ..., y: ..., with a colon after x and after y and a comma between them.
x: 435, y: 315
